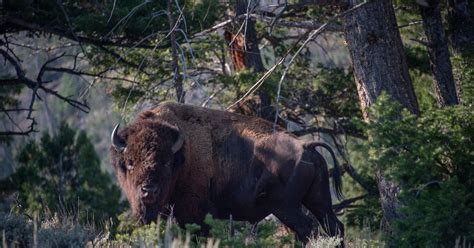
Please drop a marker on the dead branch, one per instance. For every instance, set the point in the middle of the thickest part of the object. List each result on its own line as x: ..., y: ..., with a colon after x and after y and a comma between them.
x: 89, y: 74
x: 309, y: 25
x: 311, y: 130
x: 178, y: 79
x: 348, y: 202
x: 18, y: 24
x: 34, y: 85
x: 341, y: 149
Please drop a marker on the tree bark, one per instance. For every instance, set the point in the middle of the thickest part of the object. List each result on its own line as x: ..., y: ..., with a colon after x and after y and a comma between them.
x: 379, y: 64
x: 377, y: 55
x: 251, y: 51
x: 177, y: 77
x: 441, y: 67
x: 245, y: 54
x: 461, y: 25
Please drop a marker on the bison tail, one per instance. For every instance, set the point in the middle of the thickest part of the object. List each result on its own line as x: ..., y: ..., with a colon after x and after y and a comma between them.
x: 336, y: 172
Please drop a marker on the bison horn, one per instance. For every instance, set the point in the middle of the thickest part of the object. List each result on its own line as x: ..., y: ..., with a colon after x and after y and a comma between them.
x: 178, y: 143
x: 117, y: 142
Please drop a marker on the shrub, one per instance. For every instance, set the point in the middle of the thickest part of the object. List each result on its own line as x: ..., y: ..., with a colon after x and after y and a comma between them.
x: 16, y: 230
x: 225, y: 233
x: 431, y: 157
x: 20, y: 231
x: 62, y: 174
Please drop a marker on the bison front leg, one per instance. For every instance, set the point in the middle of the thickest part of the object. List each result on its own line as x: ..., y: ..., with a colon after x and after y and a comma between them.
x: 297, y: 221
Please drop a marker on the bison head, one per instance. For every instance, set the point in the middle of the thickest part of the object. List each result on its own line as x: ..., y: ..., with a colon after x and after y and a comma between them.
x: 146, y: 158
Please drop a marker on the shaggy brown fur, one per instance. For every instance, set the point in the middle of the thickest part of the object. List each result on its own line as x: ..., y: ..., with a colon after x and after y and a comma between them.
x: 229, y: 164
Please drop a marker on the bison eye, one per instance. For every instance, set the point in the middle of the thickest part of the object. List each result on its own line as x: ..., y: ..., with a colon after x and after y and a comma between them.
x: 129, y: 166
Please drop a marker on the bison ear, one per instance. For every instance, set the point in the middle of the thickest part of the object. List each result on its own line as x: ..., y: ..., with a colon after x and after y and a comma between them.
x: 118, y: 163
x: 178, y: 144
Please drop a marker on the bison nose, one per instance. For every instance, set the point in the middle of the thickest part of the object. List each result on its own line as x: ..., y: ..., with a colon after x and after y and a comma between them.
x: 148, y: 190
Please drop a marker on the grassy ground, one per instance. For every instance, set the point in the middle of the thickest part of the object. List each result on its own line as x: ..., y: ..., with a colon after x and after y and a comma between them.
x: 55, y: 231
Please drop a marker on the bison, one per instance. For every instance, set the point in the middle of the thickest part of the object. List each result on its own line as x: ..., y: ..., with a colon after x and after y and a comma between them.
x: 209, y: 161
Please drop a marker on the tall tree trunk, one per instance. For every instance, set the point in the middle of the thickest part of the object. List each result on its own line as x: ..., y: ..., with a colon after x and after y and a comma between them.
x: 245, y: 54
x: 251, y: 50
x: 177, y: 77
x: 379, y: 63
x: 378, y: 56
x: 461, y: 25
x: 446, y: 92
x: 243, y: 42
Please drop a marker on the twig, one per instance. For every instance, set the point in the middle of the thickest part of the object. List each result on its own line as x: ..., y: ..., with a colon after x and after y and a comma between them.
x: 178, y: 80
x: 422, y: 42
x: 410, y: 24
x: 112, y: 11
x: 324, y: 130
x: 311, y: 36
x: 126, y: 17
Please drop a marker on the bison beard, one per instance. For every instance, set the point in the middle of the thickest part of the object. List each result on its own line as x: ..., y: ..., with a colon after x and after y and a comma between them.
x: 208, y: 161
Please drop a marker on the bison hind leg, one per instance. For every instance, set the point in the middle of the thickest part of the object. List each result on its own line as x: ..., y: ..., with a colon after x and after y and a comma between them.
x: 321, y: 207
x: 297, y: 221
x: 318, y: 198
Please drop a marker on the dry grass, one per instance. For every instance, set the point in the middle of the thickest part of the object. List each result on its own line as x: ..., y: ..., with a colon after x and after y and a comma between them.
x: 19, y: 231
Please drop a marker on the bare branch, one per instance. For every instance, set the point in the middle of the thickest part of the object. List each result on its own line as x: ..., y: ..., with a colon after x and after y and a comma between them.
x: 20, y: 24
x: 348, y: 202
x: 39, y: 78
x: 410, y: 24
x: 18, y: 133
x: 310, y: 25
x: 34, y: 85
x: 358, y: 178
x: 311, y: 130
x: 178, y: 79
x: 15, y: 110
x: 311, y: 36
x: 11, y: 82
x: 89, y: 74
x: 77, y: 104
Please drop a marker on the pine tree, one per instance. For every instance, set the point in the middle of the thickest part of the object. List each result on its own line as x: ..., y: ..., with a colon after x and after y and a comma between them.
x: 62, y: 174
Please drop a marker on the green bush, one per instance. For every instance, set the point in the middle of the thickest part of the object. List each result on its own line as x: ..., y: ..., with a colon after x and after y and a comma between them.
x: 62, y: 174
x: 431, y: 157
x: 19, y: 231
x: 226, y: 233
x: 64, y: 231
x: 16, y: 230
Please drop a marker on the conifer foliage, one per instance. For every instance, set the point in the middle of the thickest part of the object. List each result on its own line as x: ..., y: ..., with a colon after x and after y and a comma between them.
x: 62, y: 174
